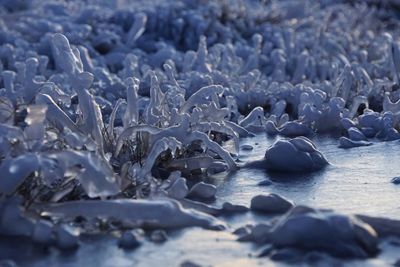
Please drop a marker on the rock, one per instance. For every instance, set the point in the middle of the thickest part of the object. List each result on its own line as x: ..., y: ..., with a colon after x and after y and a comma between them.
x: 203, y: 190
x: 265, y: 183
x: 265, y: 251
x: 314, y: 257
x: 66, y: 237
x: 384, y: 227
x: 178, y: 189
x: 336, y: 234
x: 271, y: 203
x: 42, y: 233
x: 345, y: 142
x: 347, y: 123
x: 287, y: 255
x: 258, y: 233
x: 389, y: 134
x: 396, y: 180
x: 189, y: 263
x: 228, y: 207
x: 355, y: 134
x: 303, y: 144
x: 294, y: 128
x: 295, y: 155
x: 242, y: 231
x: 129, y: 240
x: 394, y: 242
x: 217, y: 167
x: 368, y: 132
x: 370, y: 120
x: 246, y: 147
x: 158, y: 236
x: 13, y: 221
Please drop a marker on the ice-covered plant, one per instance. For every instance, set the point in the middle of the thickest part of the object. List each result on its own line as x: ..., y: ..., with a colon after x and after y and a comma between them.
x: 98, y: 101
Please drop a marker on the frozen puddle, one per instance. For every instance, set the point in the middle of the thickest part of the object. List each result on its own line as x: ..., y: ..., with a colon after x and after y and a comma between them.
x: 357, y: 181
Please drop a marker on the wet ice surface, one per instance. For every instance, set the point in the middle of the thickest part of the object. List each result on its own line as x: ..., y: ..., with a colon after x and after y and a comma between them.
x: 190, y: 244
x: 357, y: 181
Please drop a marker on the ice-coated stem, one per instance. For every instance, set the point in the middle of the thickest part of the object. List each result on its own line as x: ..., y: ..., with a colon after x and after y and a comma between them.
x: 137, y: 29
x: 132, y: 111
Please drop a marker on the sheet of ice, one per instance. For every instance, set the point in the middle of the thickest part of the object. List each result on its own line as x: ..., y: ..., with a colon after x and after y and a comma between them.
x: 357, y: 181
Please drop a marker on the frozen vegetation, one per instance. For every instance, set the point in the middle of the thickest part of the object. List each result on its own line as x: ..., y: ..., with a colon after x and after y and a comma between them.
x: 113, y: 114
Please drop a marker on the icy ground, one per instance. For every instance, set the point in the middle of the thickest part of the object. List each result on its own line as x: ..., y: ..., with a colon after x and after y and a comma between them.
x: 357, y: 181
x: 350, y: 185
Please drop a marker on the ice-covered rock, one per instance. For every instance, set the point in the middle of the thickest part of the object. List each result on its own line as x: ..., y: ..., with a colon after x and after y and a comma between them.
x: 246, y: 147
x: 355, y: 134
x: 264, y: 183
x: 345, y: 142
x: 203, y: 190
x: 178, y: 189
x: 189, y: 263
x: 176, y: 186
x: 396, y: 180
x: 347, y: 123
x: 67, y: 238
x: 307, y: 229
x: 229, y: 208
x: 129, y: 240
x: 293, y: 128
x: 43, y: 232
x: 368, y: 132
x: 271, y: 203
x: 286, y: 255
x: 13, y: 221
x: 369, y: 119
x: 158, y: 236
x: 335, y: 234
x: 294, y: 155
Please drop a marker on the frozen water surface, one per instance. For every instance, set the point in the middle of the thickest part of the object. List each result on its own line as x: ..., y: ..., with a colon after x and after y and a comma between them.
x: 191, y: 244
x: 357, y: 181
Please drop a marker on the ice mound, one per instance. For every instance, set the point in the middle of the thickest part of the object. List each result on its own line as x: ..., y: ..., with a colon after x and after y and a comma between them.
x: 270, y: 204
x: 139, y: 213
x: 294, y: 155
x: 305, y: 229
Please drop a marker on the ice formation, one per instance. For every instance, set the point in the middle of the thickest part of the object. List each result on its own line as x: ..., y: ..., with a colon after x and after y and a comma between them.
x: 129, y: 240
x: 270, y: 204
x: 118, y: 104
x: 306, y: 229
x: 139, y: 213
x: 295, y: 155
